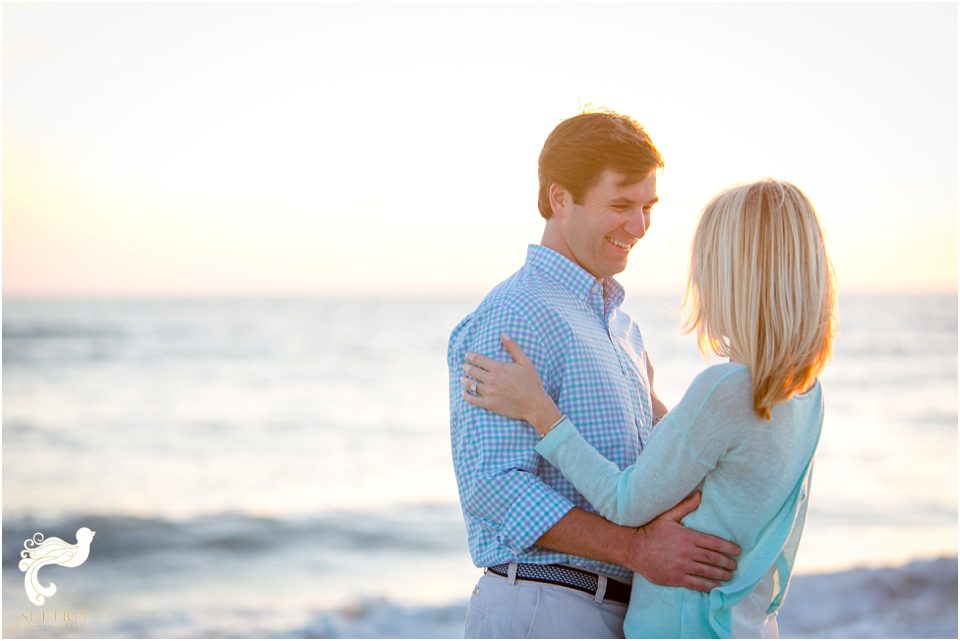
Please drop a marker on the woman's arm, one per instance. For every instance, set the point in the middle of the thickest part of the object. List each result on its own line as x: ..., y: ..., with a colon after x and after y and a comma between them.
x: 684, y: 449
x: 666, y: 472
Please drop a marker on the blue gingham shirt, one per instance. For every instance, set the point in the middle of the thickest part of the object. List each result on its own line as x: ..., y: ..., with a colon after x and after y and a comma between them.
x: 590, y: 356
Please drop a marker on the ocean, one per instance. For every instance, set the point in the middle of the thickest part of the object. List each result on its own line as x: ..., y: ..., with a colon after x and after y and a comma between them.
x: 281, y: 467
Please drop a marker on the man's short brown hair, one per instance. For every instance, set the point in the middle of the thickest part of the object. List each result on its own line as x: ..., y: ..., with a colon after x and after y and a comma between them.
x: 579, y: 149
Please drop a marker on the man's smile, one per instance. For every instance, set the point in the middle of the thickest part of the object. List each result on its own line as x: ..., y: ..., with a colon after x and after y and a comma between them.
x: 620, y: 244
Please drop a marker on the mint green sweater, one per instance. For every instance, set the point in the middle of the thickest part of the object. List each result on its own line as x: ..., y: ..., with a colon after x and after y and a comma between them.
x: 755, y: 476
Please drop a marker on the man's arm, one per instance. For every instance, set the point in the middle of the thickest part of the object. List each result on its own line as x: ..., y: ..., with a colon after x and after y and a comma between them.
x: 659, y: 409
x: 494, y: 456
x: 662, y: 551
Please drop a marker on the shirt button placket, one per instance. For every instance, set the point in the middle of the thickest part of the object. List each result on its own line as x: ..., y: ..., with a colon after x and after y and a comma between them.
x: 632, y: 385
x: 596, y: 301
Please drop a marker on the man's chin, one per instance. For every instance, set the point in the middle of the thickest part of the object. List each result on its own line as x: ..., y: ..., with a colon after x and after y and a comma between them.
x: 610, y: 269
x: 618, y: 268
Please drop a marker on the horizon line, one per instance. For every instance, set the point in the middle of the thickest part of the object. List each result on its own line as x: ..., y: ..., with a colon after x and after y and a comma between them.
x: 929, y: 290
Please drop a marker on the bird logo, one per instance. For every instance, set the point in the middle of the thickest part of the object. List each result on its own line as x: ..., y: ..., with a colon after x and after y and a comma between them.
x: 38, y: 552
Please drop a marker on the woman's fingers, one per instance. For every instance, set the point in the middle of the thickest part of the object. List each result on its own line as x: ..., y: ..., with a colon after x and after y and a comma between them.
x: 514, y: 350
x: 475, y: 372
x: 471, y: 399
x: 482, y: 361
x: 478, y: 401
x: 470, y: 384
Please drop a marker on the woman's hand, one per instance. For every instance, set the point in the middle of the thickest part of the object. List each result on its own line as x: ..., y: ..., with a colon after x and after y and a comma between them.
x: 511, y: 389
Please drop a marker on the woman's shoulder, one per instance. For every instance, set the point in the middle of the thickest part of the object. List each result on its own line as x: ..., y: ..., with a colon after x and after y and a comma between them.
x: 724, y: 389
x: 725, y: 377
x: 714, y: 409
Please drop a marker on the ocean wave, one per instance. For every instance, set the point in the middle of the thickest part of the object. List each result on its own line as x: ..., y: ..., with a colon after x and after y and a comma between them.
x: 44, y: 331
x: 917, y: 600
x: 403, y: 529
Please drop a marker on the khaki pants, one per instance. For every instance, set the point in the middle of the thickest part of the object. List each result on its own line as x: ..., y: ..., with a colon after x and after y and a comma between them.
x: 501, y: 608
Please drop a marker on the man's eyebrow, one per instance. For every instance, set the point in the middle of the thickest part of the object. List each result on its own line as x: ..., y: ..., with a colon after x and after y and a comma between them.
x: 630, y: 201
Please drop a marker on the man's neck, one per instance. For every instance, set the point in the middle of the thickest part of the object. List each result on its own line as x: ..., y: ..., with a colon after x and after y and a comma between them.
x: 552, y: 239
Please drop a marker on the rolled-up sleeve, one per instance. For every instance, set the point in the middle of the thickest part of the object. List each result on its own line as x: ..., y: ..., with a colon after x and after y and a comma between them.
x: 495, y: 457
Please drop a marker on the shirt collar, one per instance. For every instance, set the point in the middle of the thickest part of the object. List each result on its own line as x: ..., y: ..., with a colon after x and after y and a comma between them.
x: 613, y: 294
x: 575, y: 278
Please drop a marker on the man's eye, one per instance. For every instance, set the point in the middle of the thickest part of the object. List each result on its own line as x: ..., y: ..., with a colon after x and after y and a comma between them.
x: 621, y: 207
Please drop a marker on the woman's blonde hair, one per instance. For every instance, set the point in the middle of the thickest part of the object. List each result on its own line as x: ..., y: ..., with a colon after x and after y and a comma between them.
x: 761, y: 288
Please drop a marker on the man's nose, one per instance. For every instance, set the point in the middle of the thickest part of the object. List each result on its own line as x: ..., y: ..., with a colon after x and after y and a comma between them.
x: 638, y: 225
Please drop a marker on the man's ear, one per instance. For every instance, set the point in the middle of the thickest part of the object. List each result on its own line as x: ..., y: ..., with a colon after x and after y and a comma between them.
x: 560, y: 200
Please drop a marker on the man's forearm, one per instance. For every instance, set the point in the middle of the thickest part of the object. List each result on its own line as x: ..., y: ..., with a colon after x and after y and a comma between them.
x: 662, y: 551
x: 584, y: 534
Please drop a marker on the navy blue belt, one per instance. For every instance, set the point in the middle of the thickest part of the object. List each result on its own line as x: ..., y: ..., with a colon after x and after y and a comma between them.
x: 567, y: 577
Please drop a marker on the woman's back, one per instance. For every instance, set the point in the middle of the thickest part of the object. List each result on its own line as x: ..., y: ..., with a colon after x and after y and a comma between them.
x: 762, y: 458
x: 755, y: 466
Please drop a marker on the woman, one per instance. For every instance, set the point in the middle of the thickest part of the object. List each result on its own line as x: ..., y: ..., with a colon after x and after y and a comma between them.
x: 760, y: 292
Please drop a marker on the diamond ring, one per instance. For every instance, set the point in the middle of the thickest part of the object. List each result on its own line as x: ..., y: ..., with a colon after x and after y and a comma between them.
x: 473, y: 387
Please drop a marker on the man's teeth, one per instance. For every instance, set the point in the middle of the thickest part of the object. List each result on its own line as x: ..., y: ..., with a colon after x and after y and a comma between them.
x: 619, y: 244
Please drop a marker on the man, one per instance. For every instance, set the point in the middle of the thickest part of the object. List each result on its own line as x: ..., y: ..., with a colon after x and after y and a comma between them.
x: 553, y: 567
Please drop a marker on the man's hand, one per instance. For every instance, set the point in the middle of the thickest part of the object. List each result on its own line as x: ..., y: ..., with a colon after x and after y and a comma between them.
x: 666, y: 553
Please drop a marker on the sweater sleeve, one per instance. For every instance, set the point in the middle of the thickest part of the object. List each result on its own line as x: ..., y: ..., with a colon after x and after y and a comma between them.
x: 687, y: 444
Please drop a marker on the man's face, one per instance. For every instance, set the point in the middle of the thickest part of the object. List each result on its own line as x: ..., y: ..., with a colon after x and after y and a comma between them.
x: 599, y: 233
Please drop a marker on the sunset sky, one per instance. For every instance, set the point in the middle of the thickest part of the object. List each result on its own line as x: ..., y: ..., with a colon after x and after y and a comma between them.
x: 189, y: 149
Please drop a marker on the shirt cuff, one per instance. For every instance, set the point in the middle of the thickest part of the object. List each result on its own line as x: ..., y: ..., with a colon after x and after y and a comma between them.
x: 555, y: 438
x: 531, y: 515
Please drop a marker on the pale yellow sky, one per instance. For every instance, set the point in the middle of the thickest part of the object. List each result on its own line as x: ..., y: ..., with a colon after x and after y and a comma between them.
x: 313, y: 148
